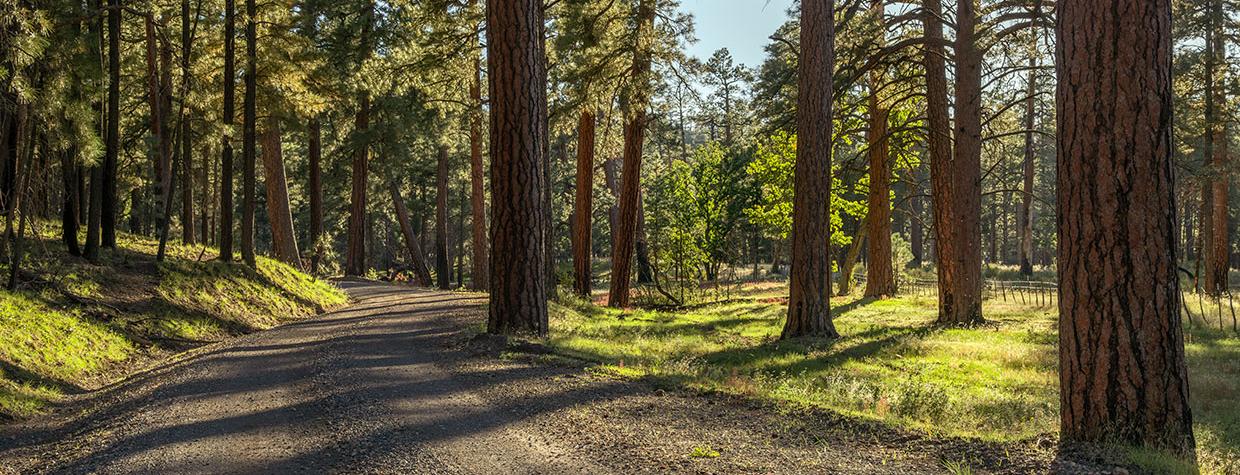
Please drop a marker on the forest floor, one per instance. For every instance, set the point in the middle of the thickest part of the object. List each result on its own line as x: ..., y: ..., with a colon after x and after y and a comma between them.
x: 401, y: 382
x: 996, y: 382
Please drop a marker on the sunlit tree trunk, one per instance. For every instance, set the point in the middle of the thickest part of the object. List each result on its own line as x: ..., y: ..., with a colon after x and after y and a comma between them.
x: 1122, y: 368
x: 517, y: 69
x: 625, y: 237
x: 809, y: 302
x: 583, y: 204
x: 279, y: 213
x: 1025, y: 214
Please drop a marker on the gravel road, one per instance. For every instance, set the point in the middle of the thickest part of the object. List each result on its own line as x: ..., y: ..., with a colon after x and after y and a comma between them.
x: 392, y: 385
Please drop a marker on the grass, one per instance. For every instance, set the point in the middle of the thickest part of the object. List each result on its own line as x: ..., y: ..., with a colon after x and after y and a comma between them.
x: 995, y: 382
x: 73, y: 326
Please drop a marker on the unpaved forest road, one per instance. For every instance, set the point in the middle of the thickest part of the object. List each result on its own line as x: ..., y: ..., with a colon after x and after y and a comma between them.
x: 389, y: 385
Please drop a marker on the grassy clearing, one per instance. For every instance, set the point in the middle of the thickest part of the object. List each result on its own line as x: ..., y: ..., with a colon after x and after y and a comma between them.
x: 73, y: 326
x: 997, y: 382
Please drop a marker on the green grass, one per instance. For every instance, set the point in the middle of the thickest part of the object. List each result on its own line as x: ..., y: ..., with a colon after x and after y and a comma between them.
x: 996, y: 382
x: 74, y: 326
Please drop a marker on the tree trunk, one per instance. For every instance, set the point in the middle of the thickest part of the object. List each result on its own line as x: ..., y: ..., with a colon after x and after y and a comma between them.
x: 809, y: 301
x: 611, y: 177
x: 416, y: 258
x: 479, y: 275
x: 107, y: 182
x: 249, y: 136
x: 517, y: 69
x: 226, y: 157
x: 1122, y: 367
x: 1025, y: 215
x: 355, y: 258
x: 279, y: 213
x: 625, y: 239
x: 69, y: 213
x: 850, y: 259
x: 880, y: 278
x: 583, y: 205
x: 961, y: 304
x: 315, y: 153
x: 94, y: 216
x: 443, y: 271
x: 187, y: 160
x: 1220, y: 237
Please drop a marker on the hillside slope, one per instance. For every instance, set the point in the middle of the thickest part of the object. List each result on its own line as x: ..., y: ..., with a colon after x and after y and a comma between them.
x: 73, y: 326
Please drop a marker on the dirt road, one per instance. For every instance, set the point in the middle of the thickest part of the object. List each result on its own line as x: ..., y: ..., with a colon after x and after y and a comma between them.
x: 391, y: 385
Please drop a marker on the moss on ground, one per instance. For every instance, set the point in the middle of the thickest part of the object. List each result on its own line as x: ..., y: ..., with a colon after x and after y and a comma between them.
x: 995, y: 382
x: 74, y: 326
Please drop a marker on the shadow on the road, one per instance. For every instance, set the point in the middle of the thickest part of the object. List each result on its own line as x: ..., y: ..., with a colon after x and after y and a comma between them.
x: 378, y: 361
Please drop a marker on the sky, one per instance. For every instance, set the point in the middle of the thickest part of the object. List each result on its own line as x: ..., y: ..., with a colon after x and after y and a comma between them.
x: 742, y: 26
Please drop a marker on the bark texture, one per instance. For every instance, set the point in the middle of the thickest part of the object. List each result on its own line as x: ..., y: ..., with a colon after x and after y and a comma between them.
x: 355, y: 248
x: 279, y: 213
x: 315, y: 155
x: 961, y: 294
x: 1122, y: 368
x: 517, y: 70
x: 583, y: 204
x: 880, y: 279
x: 809, y: 302
x: 1024, y: 215
x: 625, y: 236
x: 187, y: 158
x: 107, y: 181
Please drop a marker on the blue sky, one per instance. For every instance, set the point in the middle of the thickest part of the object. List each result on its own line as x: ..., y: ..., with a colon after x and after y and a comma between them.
x: 741, y: 26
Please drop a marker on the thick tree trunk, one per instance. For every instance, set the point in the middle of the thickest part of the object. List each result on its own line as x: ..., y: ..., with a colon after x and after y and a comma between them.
x: 443, y: 271
x: 479, y: 275
x: 809, y: 302
x: 1122, y: 368
x: 249, y: 136
x: 517, y: 69
x: 107, y: 182
x: 279, y: 213
x: 625, y: 239
x: 940, y: 144
x: 315, y: 153
x: 583, y: 204
x: 416, y: 258
x: 960, y: 294
x: 226, y: 157
x: 187, y: 158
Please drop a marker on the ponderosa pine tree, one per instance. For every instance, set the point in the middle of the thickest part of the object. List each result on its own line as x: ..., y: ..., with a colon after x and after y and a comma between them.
x: 1121, y: 347
x: 809, y: 301
x: 108, y: 178
x: 443, y: 275
x: 249, y: 135
x: 187, y: 157
x: 880, y: 277
x: 355, y: 251
x: 279, y: 213
x: 625, y: 237
x: 479, y: 273
x: 226, y: 155
x: 583, y: 205
x: 517, y: 72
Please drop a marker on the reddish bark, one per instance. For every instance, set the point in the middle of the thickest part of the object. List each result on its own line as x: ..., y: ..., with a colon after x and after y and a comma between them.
x: 479, y: 275
x: 809, y: 302
x: 625, y: 237
x: 583, y: 205
x: 1122, y: 367
x: 517, y: 71
x: 279, y: 213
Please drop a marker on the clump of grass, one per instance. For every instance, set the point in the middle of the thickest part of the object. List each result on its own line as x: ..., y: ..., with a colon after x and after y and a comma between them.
x: 995, y: 382
x: 704, y: 452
